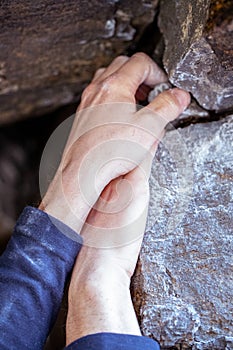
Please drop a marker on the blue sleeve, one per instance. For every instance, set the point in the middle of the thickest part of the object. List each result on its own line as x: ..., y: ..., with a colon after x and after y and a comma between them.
x: 33, y: 273
x: 113, y: 341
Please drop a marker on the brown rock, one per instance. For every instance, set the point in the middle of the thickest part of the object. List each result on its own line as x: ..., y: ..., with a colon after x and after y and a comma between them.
x: 50, y: 49
x: 199, y: 49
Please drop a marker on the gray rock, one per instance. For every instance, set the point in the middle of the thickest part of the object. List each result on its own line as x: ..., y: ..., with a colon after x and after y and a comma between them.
x: 49, y: 50
x: 183, y: 286
x: 198, y: 49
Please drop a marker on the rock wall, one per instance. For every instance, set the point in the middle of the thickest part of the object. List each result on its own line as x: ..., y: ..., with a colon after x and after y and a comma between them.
x: 183, y: 286
x: 199, y: 49
x: 49, y: 49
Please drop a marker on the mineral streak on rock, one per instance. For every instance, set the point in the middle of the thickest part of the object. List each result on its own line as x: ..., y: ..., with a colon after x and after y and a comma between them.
x: 183, y: 287
x: 50, y: 49
x: 199, y: 49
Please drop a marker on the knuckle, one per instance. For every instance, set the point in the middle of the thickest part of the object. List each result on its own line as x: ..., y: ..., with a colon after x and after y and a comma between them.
x: 89, y: 90
x: 106, y: 87
x: 110, y: 82
x: 141, y: 56
x: 100, y: 70
x: 120, y: 59
x: 170, y: 100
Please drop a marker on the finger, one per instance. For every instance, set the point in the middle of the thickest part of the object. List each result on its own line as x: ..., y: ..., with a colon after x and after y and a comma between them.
x: 110, y: 191
x: 166, y: 107
x: 139, y: 69
x: 117, y: 63
x: 98, y: 73
x: 170, y: 103
x: 142, y: 172
x: 153, y: 118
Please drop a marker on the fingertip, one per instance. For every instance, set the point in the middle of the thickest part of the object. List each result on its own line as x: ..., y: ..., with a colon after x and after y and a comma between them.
x: 182, y: 96
x: 141, y: 69
x: 169, y: 104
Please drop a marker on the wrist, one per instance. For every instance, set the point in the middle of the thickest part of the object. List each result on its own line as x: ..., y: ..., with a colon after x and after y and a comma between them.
x: 73, y: 191
x: 62, y: 214
x: 97, y: 268
x: 55, y: 203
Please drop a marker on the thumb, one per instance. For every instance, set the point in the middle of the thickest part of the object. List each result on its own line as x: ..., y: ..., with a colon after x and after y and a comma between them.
x: 166, y: 107
x: 170, y: 103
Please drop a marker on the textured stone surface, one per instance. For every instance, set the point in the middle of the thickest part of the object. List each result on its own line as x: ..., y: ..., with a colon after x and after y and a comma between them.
x: 50, y: 49
x: 199, y: 49
x: 183, y: 286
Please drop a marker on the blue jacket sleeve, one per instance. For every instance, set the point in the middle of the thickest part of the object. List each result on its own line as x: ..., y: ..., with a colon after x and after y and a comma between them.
x: 33, y: 273
x: 113, y: 341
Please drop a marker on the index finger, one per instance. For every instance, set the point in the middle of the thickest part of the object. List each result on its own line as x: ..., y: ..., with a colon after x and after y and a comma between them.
x: 139, y: 69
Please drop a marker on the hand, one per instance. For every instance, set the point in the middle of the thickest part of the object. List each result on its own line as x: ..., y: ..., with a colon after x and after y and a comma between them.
x: 109, y: 137
x: 117, y: 221
x: 99, y: 294
x: 119, y: 143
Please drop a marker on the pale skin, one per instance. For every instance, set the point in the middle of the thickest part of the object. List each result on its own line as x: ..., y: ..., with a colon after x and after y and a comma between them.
x: 99, y: 296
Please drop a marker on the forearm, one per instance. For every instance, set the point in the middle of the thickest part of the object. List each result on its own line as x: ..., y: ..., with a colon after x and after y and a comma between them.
x: 102, y: 306
x: 33, y: 273
x: 101, y: 313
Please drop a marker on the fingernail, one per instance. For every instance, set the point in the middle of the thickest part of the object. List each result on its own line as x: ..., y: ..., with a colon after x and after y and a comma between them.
x: 182, y: 96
